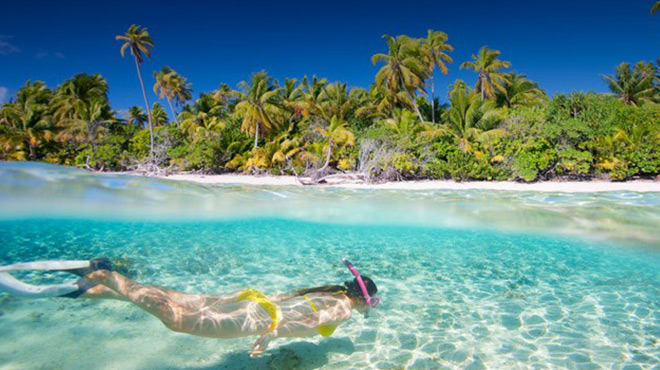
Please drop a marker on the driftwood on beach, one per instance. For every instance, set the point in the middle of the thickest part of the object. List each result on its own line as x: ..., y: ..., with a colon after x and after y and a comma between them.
x: 334, y: 179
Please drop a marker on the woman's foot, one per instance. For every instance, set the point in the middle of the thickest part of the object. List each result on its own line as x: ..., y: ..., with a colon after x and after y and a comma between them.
x: 102, y: 263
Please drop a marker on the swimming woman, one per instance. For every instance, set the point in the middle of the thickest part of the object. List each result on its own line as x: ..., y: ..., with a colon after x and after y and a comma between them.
x: 303, y: 313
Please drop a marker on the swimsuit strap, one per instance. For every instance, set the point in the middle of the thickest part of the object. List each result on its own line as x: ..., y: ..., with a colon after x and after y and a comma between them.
x: 263, y: 301
x: 311, y: 303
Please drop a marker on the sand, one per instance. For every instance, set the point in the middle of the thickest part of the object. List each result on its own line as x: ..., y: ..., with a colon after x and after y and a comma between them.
x: 549, y: 186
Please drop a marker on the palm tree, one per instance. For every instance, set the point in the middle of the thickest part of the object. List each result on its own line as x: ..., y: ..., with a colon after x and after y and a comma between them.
x: 635, y: 85
x: 223, y: 94
x: 27, y: 122
x: 138, y: 41
x: 81, y: 109
x: 136, y: 116
x: 312, y: 94
x: 163, y: 87
x: 435, y: 50
x: 486, y: 64
x: 655, y: 7
x: 403, y: 71
x: 404, y: 125
x: 336, y: 101
x: 337, y: 133
x: 158, y: 115
x: 519, y: 91
x: 258, y: 106
x: 469, y: 118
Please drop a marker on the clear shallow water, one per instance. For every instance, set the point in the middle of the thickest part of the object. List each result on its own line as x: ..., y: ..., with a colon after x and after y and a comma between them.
x: 467, y: 279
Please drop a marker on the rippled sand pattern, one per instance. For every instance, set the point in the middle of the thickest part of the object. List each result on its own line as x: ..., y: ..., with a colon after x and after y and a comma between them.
x: 452, y: 298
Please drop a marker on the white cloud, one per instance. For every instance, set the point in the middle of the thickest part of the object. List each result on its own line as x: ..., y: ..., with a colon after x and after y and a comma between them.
x: 7, y: 47
x: 46, y: 54
x: 4, y: 94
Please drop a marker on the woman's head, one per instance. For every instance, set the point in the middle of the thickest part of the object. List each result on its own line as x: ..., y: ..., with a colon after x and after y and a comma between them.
x: 351, y: 288
x: 354, y: 290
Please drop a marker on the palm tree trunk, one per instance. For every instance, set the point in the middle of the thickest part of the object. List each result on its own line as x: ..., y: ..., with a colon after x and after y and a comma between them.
x: 169, y: 101
x: 327, y: 157
x: 256, y: 136
x: 146, y: 102
x: 432, y: 98
x: 412, y: 99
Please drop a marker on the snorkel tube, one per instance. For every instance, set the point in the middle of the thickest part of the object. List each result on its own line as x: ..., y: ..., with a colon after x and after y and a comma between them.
x: 371, y: 303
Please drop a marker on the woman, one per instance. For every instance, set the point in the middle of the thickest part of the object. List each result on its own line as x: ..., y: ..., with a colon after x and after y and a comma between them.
x: 302, y: 313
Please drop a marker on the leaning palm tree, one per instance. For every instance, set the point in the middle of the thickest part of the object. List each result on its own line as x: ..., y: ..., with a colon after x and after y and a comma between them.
x: 435, y: 50
x: 163, y: 87
x: 633, y: 85
x: 337, y: 133
x: 486, y: 64
x: 404, y: 70
x: 258, y: 106
x: 139, y: 42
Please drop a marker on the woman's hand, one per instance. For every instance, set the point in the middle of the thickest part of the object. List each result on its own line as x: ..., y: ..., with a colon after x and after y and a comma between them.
x: 259, y: 347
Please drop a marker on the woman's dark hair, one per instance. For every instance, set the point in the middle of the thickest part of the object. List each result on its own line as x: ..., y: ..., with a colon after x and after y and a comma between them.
x: 350, y: 288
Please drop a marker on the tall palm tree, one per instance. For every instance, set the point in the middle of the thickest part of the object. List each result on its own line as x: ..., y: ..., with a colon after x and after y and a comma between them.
x: 519, y: 91
x: 486, y: 64
x: 404, y: 70
x: 138, y: 41
x: 435, y: 51
x: 26, y: 122
x: 258, y: 106
x: 633, y: 85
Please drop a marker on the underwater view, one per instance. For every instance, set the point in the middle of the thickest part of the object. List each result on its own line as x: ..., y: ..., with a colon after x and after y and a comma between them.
x: 468, y: 279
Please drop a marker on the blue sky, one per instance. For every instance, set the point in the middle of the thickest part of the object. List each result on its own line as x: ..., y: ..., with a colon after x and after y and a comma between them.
x: 564, y: 45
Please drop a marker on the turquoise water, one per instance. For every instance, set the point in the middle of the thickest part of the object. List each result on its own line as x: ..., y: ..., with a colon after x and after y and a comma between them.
x: 472, y: 279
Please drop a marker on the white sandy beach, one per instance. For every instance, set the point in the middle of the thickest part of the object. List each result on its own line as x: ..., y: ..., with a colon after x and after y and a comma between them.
x: 549, y: 186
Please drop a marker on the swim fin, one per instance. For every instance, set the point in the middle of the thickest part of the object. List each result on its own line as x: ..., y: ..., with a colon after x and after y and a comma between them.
x: 79, y: 268
x: 18, y: 288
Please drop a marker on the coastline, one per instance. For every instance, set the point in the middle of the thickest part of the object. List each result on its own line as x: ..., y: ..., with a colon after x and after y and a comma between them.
x: 547, y: 186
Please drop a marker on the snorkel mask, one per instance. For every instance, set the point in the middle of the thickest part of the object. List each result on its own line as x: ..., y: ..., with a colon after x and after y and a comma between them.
x: 371, y: 302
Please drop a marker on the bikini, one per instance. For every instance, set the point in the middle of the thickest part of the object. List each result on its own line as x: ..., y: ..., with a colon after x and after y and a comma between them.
x: 270, y: 307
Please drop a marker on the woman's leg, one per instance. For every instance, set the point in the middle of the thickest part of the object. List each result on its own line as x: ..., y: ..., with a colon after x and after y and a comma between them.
x: 210, y: 316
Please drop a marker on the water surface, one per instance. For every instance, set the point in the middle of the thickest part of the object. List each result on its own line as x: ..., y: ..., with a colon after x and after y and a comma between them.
x: 469, y: 279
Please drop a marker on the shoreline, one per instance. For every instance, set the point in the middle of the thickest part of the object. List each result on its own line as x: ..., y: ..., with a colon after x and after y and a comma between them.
x: 547, y: 186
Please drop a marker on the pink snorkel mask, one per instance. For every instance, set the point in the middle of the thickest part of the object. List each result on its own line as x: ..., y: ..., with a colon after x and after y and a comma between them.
x: 371, y: 302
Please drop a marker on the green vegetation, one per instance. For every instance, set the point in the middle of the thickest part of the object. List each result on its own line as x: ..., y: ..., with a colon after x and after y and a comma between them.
x: 505, y: 127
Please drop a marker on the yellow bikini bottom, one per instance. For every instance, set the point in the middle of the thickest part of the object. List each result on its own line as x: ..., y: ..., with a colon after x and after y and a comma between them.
x: 324, y: 330
x: 268, y: 305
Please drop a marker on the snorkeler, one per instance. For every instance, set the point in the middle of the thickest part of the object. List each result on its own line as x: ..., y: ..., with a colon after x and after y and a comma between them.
x: 302, y: 313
